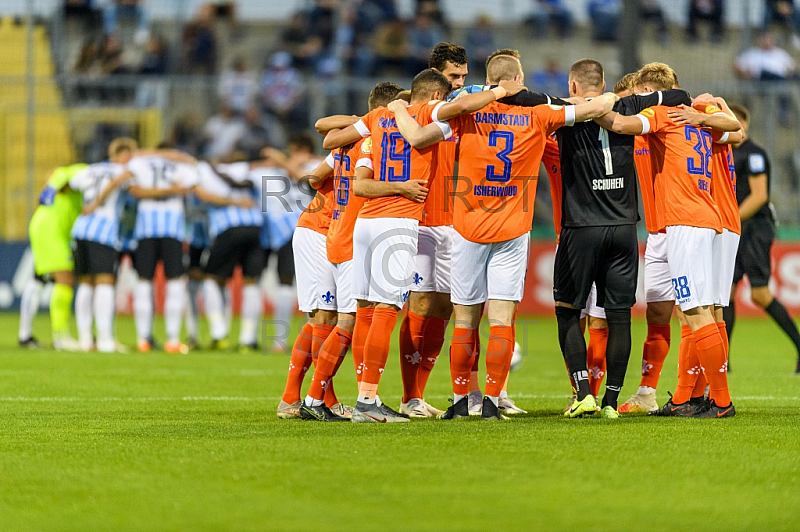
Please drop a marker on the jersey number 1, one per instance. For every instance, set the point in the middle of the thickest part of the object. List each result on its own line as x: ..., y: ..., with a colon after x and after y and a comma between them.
x: 389, y: 154
x: 604, y: 143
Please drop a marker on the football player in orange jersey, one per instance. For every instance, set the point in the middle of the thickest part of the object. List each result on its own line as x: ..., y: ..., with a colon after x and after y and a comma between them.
x: 692, y: 385
x: 681, y: 161
x: 429, y: 308
x: 501, y: 149
x: 339, y: 249
x: 385, y: 234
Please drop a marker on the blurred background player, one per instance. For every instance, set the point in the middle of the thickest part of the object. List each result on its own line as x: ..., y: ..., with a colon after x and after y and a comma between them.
x: 96, y: 234
x: 429, y: 308
x: 758, y: 233
x: 49, y: 233
x: 285, y: 202
x: 160, y: 184
x: 234, y: 228
x: 198, y: 241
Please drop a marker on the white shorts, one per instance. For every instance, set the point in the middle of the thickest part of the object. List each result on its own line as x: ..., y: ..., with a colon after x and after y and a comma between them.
x: 591, y: 308
x: 725, y: 247
x: 657, y: 279
x: 384, y: 252
x: 489, y: 271
x: 433, y: 259
x: 316, y: 286
x: 690, y: 252
x: 343, y: 274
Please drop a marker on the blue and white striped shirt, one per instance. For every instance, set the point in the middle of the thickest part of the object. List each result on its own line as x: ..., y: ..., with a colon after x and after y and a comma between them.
x: 102, y: 225
x: 220, y: 219
x: 161, y: 218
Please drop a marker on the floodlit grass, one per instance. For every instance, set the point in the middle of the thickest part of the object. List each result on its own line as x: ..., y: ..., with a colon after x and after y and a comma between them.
x: 166, y: 442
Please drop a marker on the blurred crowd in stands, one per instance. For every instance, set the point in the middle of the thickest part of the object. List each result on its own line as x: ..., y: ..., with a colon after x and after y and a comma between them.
x: 264, y: 96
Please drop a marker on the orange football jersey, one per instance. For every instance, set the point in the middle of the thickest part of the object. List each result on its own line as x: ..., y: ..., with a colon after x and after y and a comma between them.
x: 317, y: 216
x: 644, y: 171
x: 552, y: 165
x: 501, y: 148
x: 393, y: 159
x: 439, y: 203
x: 681, y: 163
x: 345, y: 204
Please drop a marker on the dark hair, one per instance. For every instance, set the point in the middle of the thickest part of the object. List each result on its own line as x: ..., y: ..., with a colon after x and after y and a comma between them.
x: 588, y: 73
x: 502, y: 51
x: 427, y: 82
x: 741, y: 112
x: 383, y: 93
x: 302, y: 140
x: 445, y: 52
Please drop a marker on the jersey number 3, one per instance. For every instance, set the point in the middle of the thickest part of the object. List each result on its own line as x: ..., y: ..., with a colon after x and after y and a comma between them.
x: 508, y: 139
x: 703, y: 149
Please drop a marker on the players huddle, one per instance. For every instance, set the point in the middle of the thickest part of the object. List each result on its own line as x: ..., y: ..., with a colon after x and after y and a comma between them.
x: 432, y: 203
x: 427, y: 201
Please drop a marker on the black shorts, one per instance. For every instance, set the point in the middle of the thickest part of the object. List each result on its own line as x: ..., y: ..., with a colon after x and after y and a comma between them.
x: 237, y: 245
x: 285, y: 256
x: 196, y: 258
x: 151, y: 250
x: 92, y: 258
x: 607, y: 256
x: 753, y: 258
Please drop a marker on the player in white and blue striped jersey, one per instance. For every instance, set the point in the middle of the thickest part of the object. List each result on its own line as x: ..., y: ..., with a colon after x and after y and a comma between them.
x: 234, y: 229
x: 198, y: 240
x: 96, y: 235
x: 159, y: 184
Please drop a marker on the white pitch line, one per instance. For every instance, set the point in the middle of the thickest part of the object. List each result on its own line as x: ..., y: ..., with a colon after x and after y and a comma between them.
x: 224, y: 399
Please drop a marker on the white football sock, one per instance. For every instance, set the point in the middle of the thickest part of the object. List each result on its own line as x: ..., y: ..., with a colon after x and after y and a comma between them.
x: 215, y: 309
x: 251, y: 314
x: 173, y: 309
x: 644, y: 390
x: 104, y: 316
x: 495, y: 400
x: 227, y: 296
x: 457, y: 397
x: 192, y: 311
x: 504, y: 394
x: 143, y: 309
x: 284, y: 302
x: 28, y: 306
x: 83, y: 314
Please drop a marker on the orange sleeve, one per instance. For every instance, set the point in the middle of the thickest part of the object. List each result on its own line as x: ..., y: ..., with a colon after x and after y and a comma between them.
x: 706, y: 107
x: 653, y: 119
x: 366, y: 123
x: 552, y: 117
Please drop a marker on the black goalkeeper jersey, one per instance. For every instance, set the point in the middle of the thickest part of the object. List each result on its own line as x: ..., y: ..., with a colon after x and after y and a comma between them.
x: 750, y: 159
x: 598, y: 176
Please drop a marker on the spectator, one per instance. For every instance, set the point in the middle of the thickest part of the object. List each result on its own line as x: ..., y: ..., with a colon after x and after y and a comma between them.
x: 349, y: 45
x: 709, y: 11
x: 605, y: 18
x: 200, y: 43
x: 185, y: 135
x: 154, y: 61
x: 133, y: 9
x: 783, y: 13
x: 422, y: 36
x: 221, y: 133
x: 282, y: 91
x: 238, y: 86
x: 391, y: 45
x: 433, y: 9
x: 650, y: 10
x: 552, y: 80
x: 255, y: 137
x: 480, y: 43
x: 302, y: 42
x: 546, y: 12
x: 766, y: 62
x: 88, y: 58
x: 110, y: 56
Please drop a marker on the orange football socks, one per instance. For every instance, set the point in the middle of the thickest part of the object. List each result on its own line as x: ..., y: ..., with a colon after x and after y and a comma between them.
x: 711, y: 352
x: 330, y: 358
x: 656, y: 349
x: 411, y: 354
x: 462, y: 349
x: 596, y: 358
x: 688, y: 367
x: 431, y: 343
x: 299, y: 364
x: 376, y: 351
x: 363, y: 322
x: 498, y: 358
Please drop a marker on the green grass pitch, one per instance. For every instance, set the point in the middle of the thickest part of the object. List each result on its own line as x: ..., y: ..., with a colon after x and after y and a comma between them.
x: 166, y: 442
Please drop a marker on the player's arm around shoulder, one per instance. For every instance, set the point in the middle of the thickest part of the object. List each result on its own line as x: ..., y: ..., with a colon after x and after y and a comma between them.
x: 594, y: 108
x: 367, y: 187
x: 476, y: 101
x: 321, y: 173
x: 416, y: 135
x: 328, y: 123
x: 626, y: 125
x: 336, y: 138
